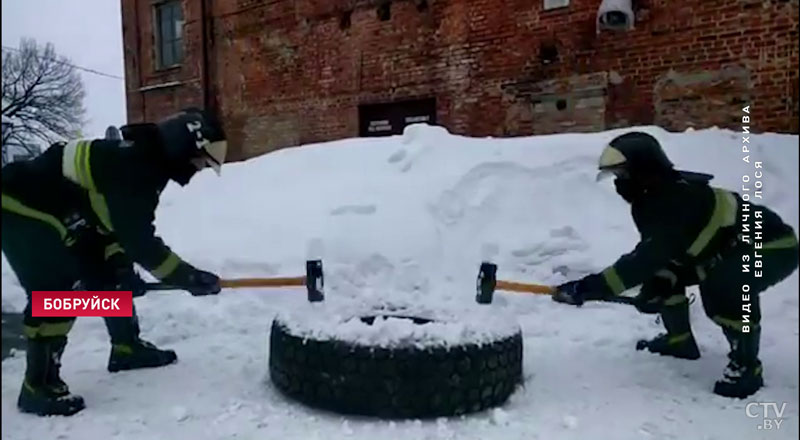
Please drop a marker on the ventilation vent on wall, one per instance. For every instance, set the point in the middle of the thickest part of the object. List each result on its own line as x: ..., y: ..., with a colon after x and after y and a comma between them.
x: 615, y: 15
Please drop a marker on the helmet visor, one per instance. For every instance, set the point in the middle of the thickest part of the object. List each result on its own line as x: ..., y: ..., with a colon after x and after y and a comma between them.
x: 212, y: 156
x: 617, y: 172
x: 215, y: 153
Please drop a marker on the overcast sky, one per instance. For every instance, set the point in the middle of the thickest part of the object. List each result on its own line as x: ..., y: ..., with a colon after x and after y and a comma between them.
x: 89, y: 32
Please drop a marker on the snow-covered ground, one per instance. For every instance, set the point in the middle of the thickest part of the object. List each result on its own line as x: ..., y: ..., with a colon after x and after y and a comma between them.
x: 408, y: 219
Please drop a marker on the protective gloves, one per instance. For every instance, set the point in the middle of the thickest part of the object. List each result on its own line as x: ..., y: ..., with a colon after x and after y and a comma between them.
x: 127, y: 279
x: 569, y: 293
x: 649, y: 301
x: 576, y: 292
x: 195, y: 281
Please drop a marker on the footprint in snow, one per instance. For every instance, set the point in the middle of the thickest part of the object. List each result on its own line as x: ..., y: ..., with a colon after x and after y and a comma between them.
x: 603, y: 342
x: 570, y: 422
x: 566, y: 240
x: 398, y: 155
x: 247, y: 266
x: 561, y: 270
x: 565, y: 232
x: 527, y: 251
x: 180, y: 413
x: 354, y: 209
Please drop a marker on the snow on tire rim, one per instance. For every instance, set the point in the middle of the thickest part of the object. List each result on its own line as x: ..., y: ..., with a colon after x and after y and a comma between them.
x: 396, y: 362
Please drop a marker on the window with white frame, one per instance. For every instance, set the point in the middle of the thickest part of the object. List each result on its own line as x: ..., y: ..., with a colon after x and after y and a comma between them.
x: 169, y: 33
x: 555, y: 4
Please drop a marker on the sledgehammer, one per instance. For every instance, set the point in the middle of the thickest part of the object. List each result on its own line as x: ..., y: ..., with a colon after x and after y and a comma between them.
x: 488, y: 283
x: 313, y: 280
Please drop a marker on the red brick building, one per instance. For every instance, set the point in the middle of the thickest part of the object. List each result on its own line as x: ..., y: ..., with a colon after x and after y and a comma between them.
x: 287, y: 72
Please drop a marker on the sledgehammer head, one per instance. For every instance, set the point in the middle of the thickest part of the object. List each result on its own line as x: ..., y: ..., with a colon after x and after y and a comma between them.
x: 315, y: 283
x: 487, y: 281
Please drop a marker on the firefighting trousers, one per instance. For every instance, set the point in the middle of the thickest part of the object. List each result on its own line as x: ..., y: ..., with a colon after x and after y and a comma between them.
x: 37, y: 253
x: 730, y: 288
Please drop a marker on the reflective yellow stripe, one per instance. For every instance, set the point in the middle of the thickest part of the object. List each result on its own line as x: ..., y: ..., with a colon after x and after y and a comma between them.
x: 122, y: 349
x: 48, y: 329
x: 732, y: 323
x: 68, y: 162
x: 613, y: 280
x: 76, y: 165
x: 87, y: 167
x: 724, y: 215
x: 677, y: 339
x: 79, y: 150
x: 674, y: 300
x: 28, y: 387
x: 113, y: 248
x: 15, y: 206
x: 167, y: 267
x: 100, y: 209
x: 787, y: 242
x: 82, y: 165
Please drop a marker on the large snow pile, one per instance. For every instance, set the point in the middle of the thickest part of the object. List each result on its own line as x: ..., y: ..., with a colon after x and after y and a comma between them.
x: 408, y: 219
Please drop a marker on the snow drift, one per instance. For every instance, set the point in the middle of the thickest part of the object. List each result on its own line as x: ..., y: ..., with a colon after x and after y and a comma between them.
x: 408, y: 219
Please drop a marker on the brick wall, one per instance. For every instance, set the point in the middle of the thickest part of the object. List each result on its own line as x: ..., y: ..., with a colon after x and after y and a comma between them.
x: 153, y: 93
x: 288, y: 72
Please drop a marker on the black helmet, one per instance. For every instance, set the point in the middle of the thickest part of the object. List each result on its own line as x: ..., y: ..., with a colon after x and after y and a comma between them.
x: 635, y: 155
x: 193, y: 139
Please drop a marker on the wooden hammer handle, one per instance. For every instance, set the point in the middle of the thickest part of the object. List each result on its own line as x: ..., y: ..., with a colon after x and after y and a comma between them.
x: 264, y: 282
x: 524, y: 287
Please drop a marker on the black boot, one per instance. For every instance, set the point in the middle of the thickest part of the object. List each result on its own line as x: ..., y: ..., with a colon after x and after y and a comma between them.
x: 128, y: 351
x: 743, y: 375
x: 43, y: 391
x: 678, y: 341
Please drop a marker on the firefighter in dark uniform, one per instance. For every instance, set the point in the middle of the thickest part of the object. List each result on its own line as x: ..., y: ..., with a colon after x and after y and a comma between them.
x: 691, y: 234
x: 78, y: 216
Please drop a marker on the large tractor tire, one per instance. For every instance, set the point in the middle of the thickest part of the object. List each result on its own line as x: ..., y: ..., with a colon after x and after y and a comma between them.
x: 407, y: 375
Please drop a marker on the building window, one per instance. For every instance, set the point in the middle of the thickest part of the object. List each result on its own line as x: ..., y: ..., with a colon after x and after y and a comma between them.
x: 555, y: 4
x: 169, y: 34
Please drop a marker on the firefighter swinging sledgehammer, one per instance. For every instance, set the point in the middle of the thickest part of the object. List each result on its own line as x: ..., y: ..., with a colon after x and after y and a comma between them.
x: 78, y: 216
x: 691, y: 234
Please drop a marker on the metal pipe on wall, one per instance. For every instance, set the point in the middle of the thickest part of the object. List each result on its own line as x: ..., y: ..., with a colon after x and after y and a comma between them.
x: 206, y: 36
x: 138, y: 59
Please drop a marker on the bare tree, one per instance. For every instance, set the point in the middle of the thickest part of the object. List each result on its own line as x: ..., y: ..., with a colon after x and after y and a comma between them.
x: 42, y: 97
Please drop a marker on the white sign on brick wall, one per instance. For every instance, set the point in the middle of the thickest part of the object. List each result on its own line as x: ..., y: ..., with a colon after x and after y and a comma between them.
x: 553, y: 4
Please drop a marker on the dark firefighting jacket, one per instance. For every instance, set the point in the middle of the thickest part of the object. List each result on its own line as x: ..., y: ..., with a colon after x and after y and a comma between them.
x: 110, y: 186
x: 690, y: 225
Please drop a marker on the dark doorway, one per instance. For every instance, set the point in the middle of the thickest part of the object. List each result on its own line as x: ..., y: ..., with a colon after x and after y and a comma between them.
x: 391, y: 118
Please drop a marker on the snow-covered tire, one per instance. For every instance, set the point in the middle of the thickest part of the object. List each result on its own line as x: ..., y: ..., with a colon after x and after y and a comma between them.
x: 405, y: 379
